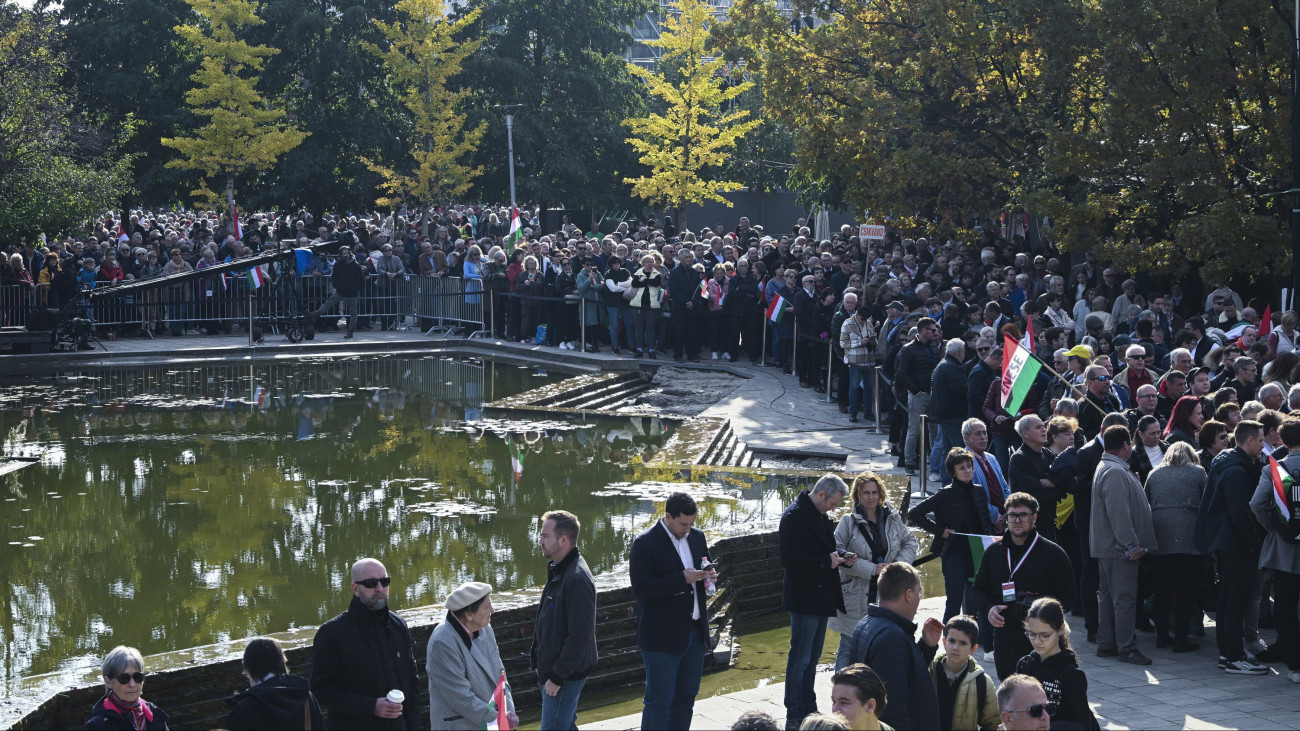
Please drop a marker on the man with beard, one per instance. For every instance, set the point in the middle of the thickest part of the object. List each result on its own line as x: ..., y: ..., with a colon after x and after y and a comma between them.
x: 362, y: 655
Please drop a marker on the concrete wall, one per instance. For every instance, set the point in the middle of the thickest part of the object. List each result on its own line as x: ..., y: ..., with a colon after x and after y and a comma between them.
x: 194, y: 696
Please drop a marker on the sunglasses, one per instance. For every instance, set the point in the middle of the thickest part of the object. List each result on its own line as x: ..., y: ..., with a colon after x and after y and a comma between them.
x: 372, y: 583
x: 1035, y: 711
x: 126, y: 678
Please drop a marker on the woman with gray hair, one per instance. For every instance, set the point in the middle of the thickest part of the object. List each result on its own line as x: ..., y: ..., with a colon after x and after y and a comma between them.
x: 122, y: 707
x: 1175, y: 490
x: 464, y: 664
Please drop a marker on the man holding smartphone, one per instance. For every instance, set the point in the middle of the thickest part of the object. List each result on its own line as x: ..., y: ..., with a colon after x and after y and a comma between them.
x: 671, y: 577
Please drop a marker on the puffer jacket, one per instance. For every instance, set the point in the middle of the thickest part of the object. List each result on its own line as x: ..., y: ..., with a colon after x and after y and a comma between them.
x: 967, y: 712
x: 961, y: 506
x: 855, y: 335
x: 856, y: 580
x: 916, y: 363
x: 1225, y: 521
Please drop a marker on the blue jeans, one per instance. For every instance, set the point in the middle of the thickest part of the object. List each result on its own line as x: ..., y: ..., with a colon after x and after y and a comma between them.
x: 560, y: 713
x: 672, y: 680
x: 615, y: 313
x: 842, y: 659
x: 949, y: 436
x: 807, y: 636
x: 860, y: 396
x: 957, y: 567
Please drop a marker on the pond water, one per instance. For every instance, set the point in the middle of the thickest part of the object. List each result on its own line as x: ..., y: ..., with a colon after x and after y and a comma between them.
x: 183, y: 505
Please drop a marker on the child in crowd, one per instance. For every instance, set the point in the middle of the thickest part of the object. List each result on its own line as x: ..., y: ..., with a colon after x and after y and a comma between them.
x: 1054, y: 665
x: 967, y: 696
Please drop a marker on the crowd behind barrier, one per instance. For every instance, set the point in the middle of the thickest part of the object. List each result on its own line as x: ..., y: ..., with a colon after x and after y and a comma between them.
x: 1074, y: 481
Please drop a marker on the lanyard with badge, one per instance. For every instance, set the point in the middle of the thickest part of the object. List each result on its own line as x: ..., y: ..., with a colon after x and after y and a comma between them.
x: 1009, y: 586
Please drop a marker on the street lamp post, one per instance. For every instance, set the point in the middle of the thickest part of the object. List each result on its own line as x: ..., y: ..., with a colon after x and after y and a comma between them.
x: 1295, y: 157
x: 510, y: 145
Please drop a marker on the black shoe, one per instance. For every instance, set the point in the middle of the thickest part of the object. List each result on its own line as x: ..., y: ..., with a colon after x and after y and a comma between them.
x: 1103, y: 652
x: 679, y: 359
x: 1134, y: 657
x: 637, y: 354
x: 617, y: 351
x: 805, y: 384
x: 693, y: 359
x: 1185, y: 646
x: 1145, y: 625
x: 652, y: 355
x: 819, y: 388
x: 1271, y: 653
x: 844, y: 409
x: 853, y: 418
x: 1163, y: 641
x: 1092, y: 637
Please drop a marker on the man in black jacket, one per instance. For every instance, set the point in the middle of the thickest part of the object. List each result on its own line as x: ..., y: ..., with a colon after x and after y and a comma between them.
x: 683, y: 284
x: 348, y: 279
x: 916, y: 363
x: 1027, y: 471
x: 947, y: 405
x: 810, y: 588
x: 1015, y: 571
x: 983, y: 373
x: 564, y: 638
x: 361, y: 655
x: 672, y: 617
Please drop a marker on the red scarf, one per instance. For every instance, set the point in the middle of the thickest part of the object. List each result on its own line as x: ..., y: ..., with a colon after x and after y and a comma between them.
x: 139, y: 712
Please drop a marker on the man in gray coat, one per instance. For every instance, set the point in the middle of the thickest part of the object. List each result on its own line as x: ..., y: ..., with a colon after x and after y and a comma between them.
x: 1281, y: 550
x: 1121, y: 534
x: 464, y: 664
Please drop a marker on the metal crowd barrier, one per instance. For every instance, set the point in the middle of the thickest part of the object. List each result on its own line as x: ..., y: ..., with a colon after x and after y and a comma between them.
x: 16, y: 302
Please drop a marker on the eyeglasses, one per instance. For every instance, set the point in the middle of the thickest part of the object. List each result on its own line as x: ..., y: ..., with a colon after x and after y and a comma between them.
x: 372, y: 583
x: 1019, y: 517
x: 1040, y: 636
x: 126, y: 678
x: 1034, y: 711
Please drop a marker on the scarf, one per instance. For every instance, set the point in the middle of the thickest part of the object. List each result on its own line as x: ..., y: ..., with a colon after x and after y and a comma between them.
x: 139, y: 711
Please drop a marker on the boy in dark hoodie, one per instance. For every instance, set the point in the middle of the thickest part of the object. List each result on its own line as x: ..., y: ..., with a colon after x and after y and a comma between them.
x: 967, y: 696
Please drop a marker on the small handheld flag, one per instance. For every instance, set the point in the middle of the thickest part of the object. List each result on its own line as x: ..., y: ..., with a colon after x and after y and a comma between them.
x: 499, y: 717
x: 978, y: 545
x: 777, y: 308
x: 516, y: 231
x: 1266, y: 322
x: 1019, y: 369
x: 256, y: 277
x: 1283, y: 487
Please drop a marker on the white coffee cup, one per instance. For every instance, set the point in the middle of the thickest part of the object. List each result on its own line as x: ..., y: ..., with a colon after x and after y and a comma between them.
x: 396, y: 696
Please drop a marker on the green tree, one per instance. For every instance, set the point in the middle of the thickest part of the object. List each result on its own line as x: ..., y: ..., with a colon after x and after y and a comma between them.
x: 563, y: 61
x: 243, y: 135
x: 423, y: 52
x: 684, y: 145
x: 56, y: 172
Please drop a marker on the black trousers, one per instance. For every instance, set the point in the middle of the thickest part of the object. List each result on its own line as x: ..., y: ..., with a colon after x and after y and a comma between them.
x: 1236, y: 577
x: 1176, y: 579
x: 1286, y: 602
x: 1011, y: 644
x: 1089, y: 580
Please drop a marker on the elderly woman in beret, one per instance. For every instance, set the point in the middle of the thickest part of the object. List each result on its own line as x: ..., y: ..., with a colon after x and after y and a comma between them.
x: 122, y: 707
x: 464, y: 665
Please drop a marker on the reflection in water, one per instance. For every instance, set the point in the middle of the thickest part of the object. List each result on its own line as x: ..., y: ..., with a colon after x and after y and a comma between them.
x: 181, y: 507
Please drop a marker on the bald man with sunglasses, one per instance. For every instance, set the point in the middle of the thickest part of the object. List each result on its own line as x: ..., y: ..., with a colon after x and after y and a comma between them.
x: 364, y: 653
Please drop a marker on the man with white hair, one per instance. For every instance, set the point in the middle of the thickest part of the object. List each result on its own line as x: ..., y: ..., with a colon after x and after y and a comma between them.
x: 1272, y: 396
x: 1293, y: 398
x: 1135, y: 374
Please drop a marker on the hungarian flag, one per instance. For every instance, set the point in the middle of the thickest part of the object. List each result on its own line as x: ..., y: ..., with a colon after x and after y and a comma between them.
x: 516, y: 460
x: 1283, y: 486
x: 256, y: 277
x: 777, y: 308
x: 239, y: 230
x: 516, y: 231
x: 500, y: 717
x: 1028, y: 339
x: 1019, y: 369
x: 1266, y: 322
x: 978, y: 545
x: 704, y: 289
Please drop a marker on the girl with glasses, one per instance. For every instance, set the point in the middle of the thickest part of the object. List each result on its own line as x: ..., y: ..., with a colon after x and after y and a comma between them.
x: 1055, y: 665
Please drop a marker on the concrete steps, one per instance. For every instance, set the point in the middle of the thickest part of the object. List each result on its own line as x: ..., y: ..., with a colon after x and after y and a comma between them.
x: 726, y: 450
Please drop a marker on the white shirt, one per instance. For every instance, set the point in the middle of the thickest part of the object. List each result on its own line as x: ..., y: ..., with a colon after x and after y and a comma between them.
x: 1155, y: 455
x: 684, y: 552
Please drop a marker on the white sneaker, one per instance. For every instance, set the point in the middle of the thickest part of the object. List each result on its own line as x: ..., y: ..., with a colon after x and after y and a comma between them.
x: 989, y: 658
x: 715, y: 356
x: 1246, y: 667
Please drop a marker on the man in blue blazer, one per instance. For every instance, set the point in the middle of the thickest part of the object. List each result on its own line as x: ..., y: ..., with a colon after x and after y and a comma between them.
x: 672, y: 616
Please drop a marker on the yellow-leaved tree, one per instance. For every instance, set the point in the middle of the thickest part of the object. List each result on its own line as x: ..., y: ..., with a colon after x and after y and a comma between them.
x: 424, y: 51
x: 243, y: 133
x: 692, y: 137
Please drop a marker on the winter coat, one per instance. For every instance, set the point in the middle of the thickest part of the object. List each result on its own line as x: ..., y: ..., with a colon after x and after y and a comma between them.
x: 967, y: 713
x: 1224, y: 521
x: 683, y: 281
x: 809, y: 585
x: 977, y: 387
x: 916, y: 363
x: 948, y: 392
x: 281, y: 702
x: 357, y: 657
x: 590, y: 285
x: 856, y: 580
x: 961, y: 506
x: 885, y: 641
x: 1175, y: 494
x: 1066, y: 687
x: 564, y: 639
x: 106, y: 719
x: 1280, y: 550
x: 348, y: 278
x: 743, y: 295
x: 1121, y: 515
x: 463, y: 671
x: 647, y: 285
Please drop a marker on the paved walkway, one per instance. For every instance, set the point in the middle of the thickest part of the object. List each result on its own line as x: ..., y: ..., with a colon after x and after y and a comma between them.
x: 1175, y: 692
